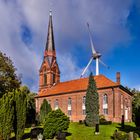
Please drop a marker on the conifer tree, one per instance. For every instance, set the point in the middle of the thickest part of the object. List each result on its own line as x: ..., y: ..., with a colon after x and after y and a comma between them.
x: 92, y: 103
x: 44, y: 110
x: 6, y: 115
x: 19, y: 113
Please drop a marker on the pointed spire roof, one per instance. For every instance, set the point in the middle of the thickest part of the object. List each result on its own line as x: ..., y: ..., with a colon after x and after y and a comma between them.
x: 50, y: 38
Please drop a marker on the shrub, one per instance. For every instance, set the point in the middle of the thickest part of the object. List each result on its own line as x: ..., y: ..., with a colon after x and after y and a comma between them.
x: 44, y: 110
x: 56, y: 121
x: 104, y: 121
x: 120, y: 136
x: 102, y: 117
x: 124, y: 136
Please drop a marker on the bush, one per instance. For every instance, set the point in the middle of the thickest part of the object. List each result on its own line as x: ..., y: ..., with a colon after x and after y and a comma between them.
x: 44, y: 110
x: 104, y: 121
x: 137, y: 116
x: 56, y: 121
x: 124, y: 136
x: 120, y: 136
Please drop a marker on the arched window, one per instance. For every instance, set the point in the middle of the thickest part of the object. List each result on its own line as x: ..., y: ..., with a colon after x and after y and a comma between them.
x: 69, y: 101
x: 126, y: 114
x: 56, y: 104
x: 83, y: 106
x: 53, y: 78
x: 105, y: 104
x: 105, y: 99
x: 45, y: 78
x: 84, y: 100
x: 69, y: 106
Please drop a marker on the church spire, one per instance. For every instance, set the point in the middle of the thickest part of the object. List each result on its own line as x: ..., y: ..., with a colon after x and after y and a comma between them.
x: 49, y: 73
x: 50, y: 38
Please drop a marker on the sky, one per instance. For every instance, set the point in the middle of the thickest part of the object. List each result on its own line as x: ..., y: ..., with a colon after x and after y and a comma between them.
x: 115, y: 27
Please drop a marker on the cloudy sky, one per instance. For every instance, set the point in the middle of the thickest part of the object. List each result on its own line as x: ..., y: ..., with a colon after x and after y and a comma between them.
x: 115, y: 29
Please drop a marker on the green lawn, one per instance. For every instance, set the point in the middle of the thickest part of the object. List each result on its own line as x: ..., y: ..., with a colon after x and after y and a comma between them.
x: 81, y: 132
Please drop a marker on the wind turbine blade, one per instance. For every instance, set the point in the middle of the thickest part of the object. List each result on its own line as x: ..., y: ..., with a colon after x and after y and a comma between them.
x: 86, y: 67
x: 91, y: 42
x: 104, y: 64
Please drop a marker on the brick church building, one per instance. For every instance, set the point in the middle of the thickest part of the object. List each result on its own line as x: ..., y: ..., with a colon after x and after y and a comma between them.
x: 114, y: 99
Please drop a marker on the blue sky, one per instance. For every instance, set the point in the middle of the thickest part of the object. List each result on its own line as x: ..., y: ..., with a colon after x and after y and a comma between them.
x: 115, y: 29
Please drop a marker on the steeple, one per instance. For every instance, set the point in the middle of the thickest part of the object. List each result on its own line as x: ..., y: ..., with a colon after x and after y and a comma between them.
x: 50, y: 46
x: 49, y: 71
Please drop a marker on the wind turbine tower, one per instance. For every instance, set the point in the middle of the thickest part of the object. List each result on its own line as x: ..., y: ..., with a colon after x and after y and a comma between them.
x: 95, y: 56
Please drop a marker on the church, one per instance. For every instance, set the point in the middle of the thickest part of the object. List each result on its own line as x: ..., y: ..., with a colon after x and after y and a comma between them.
x: 114, y: 99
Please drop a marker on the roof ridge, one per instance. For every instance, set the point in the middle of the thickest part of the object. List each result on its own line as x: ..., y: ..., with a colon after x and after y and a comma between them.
x: 79, y: 79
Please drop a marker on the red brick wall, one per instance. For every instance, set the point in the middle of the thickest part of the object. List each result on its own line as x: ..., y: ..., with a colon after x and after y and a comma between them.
x: 114, y: 105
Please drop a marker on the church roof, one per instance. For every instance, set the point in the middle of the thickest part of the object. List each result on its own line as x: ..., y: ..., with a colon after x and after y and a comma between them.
x: 77, y: 85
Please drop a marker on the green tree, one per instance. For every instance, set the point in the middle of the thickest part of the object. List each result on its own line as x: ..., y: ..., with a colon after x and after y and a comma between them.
x: 44, y: 110
x: 136, y: 106
x: 6, y: 115
x: 20, y: 105
x: 8, y: 77
x: 55, y: 121
x: 13, y: 106
x: 92, y: 103
x: 30, y: 112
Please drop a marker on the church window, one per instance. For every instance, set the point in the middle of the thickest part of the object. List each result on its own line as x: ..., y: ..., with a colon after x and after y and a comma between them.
x: 69, y: 107
x: 105, y: 104
x: 69, y: 112
x: 83, y: 106
x: 53, y: 78
x: 69, y: 102
x: 45, y: 78
x: 56, y: 104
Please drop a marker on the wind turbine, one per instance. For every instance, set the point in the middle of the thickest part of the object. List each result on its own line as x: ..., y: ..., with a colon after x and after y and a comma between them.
x: 95, y: 56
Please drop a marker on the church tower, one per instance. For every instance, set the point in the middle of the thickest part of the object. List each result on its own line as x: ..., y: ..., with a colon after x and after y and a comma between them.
x: 49, y: 73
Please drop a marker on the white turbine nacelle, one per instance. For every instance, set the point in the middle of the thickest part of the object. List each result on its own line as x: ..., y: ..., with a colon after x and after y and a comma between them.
x: 95, y: 55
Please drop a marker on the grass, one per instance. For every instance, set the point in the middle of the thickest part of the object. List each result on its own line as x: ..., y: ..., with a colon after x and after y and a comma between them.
x: 81, y: 132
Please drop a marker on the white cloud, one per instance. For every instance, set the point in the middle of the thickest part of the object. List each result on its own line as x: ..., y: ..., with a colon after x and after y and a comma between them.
x: 69, y: 68
x: 106, y: 18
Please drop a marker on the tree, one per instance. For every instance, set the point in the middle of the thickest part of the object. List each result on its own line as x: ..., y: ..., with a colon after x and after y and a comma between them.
x: 136, y: 106
x: 8, y: 77
x: 13, y: 106
x: 92, y: 103
x: 56, y: 121
x: 20, y: 105
x: 44, y: 110
x: 6, y: 115
x: 30, y: 111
